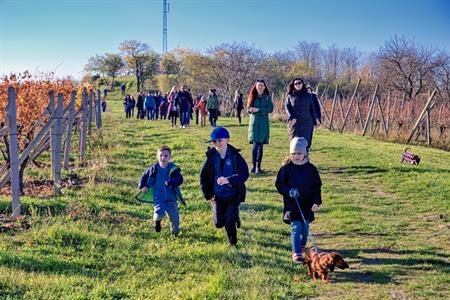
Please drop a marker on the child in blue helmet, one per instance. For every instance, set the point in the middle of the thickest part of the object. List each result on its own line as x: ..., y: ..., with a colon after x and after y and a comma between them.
x: 222, y: 180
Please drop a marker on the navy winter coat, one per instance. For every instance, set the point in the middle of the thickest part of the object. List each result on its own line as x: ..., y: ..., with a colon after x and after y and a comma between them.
x: 307, y: 180
x: 207, y: 173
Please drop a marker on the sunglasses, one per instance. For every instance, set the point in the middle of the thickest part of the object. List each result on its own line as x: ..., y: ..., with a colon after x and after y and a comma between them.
x: 298, y: 83
x: 216, y: 141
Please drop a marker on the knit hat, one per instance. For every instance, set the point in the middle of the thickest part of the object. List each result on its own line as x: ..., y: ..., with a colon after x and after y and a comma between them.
x: 299, y: 145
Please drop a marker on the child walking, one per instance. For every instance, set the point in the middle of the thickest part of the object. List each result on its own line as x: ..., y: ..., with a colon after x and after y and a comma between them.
x: 201, y: 108
x: 222, y: 179
x: 164, y: 179
x: 299, y: 180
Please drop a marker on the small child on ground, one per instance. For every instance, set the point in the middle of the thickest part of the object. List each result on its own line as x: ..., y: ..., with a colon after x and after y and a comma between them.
x: 299, y: 180
x: 164, y: 179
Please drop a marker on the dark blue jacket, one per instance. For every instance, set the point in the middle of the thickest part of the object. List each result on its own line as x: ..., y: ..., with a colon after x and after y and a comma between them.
x: 307, y: 180
x: 207, y: 173
x: 176, y: 179
x: 317, y: 107
x: 185, y: 99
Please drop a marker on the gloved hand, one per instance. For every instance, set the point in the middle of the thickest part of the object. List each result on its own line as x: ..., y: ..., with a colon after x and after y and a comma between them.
x: 293, y: 192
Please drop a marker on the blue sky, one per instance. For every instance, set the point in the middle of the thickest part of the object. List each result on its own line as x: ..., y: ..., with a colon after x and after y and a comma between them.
x: 60, y: 35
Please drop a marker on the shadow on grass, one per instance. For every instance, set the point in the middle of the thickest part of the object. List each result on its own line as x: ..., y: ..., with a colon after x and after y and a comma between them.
x: 353, y: 170
x: 266, y: 173
x: 42, y: 209
x: 48, y: 265
x: 361, y: 277
x: 403, y: 264
x: 247, y: 207
x: 418, y: 169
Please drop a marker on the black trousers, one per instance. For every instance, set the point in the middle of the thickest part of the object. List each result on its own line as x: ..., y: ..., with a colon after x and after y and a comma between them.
x: 213, y: 117
x: 226, y: 214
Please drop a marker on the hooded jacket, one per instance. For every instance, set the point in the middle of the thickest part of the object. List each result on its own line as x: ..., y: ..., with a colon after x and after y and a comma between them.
x: 207, y: 173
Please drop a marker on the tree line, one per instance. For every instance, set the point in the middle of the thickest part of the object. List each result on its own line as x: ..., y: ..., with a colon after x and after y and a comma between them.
x: 400, y: 65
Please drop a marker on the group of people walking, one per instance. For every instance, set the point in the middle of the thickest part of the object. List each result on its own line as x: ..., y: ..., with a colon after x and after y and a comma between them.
x: 179, y: 104
x: 224, y: 171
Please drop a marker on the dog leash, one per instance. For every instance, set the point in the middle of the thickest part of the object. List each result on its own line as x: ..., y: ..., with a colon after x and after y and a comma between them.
x: 304, y: 221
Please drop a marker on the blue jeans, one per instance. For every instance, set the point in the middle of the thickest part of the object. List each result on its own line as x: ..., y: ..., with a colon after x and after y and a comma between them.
x: 299, y: 236
x: 171, y: 209
x: 151, y: 114
x: 257, y: 153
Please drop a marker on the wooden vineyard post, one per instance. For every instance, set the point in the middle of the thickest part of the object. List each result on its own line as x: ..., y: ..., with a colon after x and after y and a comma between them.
x: 428, y: 127
x: 322, y: 107
x: 421, y: 115
x: 70, y: 120
x: 11, y: 117
x: 369, y: 113
x: 83, y: 130
x: 89, y: 111
x: 358, y: 111
x: 388, y: 110
x: 382, y: 117
x: 99, y: 110
x: 341, y: 108
x: 333, y: 107
x: 350, y: 105
x: 56, y: 145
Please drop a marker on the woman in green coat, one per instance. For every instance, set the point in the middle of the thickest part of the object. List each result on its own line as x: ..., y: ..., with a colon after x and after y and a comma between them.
x: 259, y: 107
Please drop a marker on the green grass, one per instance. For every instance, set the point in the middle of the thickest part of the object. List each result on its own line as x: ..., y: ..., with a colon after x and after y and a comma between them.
x: 390, y: 221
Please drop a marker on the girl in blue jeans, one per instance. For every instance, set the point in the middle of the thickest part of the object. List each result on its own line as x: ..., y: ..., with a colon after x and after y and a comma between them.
x: 299, y: 180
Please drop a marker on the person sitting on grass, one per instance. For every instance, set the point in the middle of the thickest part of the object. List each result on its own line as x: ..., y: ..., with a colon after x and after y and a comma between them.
x: 299, y: 180
x: 222, y: 180
x: 164, y: 178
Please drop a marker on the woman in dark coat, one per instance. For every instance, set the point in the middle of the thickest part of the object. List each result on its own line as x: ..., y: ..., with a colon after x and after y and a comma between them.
x: 300, y: 111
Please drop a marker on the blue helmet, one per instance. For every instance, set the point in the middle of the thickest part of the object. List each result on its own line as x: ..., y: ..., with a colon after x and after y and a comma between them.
x: 219, y: 133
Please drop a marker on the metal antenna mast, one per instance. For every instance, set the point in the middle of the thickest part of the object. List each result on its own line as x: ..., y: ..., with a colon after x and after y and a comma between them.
x: 165, y: 12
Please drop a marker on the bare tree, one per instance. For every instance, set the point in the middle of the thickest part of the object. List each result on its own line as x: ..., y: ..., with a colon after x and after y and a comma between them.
x: 140, y: 59
x: 406, y: 67
x: 331, y: 59
x: 350, y: 60
x: 112, y: 64
x: 441, y: 76
x: 234, y: 66
x: 309, y: 52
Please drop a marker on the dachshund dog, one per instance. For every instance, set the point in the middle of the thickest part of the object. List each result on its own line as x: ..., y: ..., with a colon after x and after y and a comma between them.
x: 320, y: 264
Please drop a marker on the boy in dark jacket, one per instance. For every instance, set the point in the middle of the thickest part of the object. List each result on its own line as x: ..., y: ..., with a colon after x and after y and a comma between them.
x: 222, y: 180
x: 164, y: 179
x: 299, y: 180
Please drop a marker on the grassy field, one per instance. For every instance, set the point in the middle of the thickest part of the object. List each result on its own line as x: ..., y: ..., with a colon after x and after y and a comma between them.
x: 389, y: 220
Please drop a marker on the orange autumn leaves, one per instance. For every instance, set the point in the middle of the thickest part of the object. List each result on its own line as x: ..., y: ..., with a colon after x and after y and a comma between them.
x: 32, y: 99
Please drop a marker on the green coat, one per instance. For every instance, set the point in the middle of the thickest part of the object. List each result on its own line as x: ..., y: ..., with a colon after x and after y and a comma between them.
x: 210, y: 100
x: 258, y: 127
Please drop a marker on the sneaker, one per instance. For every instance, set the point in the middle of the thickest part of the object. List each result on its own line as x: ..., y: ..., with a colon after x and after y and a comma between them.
x: 259, y: 171
x: 157, y: 226
x: 297, y: 258
x: 253, y: 170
